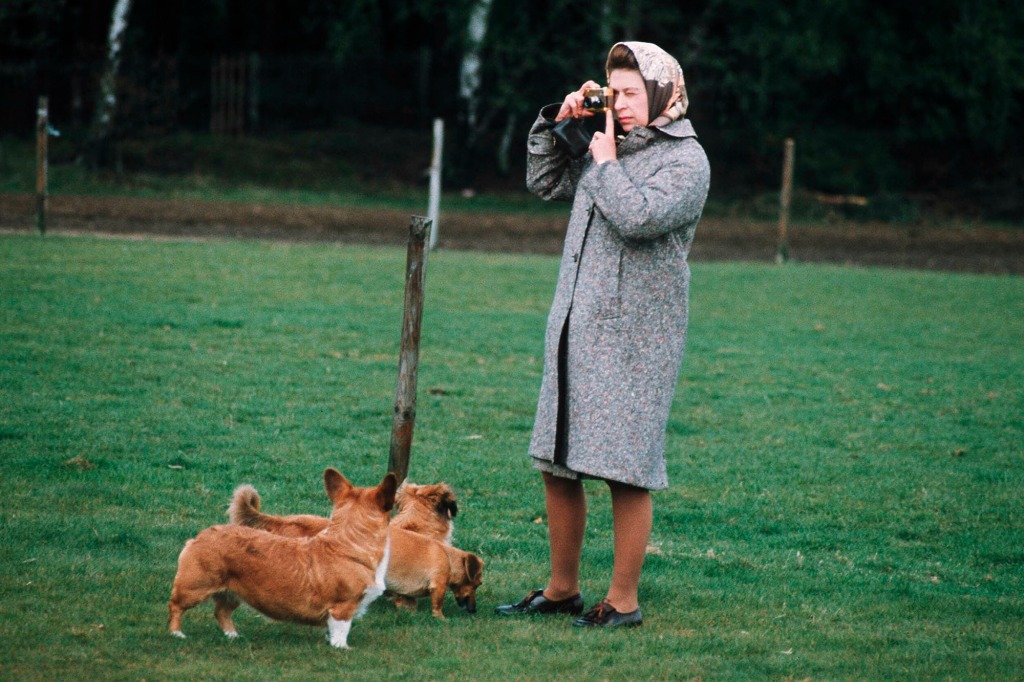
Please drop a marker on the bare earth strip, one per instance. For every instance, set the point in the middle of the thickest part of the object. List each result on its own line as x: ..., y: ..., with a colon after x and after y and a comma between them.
x: 975, y: 249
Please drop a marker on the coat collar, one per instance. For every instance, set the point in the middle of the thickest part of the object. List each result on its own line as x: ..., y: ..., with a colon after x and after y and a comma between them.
x: 642, y: 135
x: 681, y: 127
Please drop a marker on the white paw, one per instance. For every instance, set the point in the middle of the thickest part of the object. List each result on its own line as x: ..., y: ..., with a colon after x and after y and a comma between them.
x: 337, y: 632
x: 178, y: 633
x: 231, y: 634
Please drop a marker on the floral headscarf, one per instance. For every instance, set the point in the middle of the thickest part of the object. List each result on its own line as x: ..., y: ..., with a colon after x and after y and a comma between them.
x: 666, y: 90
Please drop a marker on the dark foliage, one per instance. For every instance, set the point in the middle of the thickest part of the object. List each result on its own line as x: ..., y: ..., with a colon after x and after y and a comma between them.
x: 882, y: 98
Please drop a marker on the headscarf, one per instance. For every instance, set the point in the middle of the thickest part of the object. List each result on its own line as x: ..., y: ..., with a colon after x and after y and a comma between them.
x: 666, y: 90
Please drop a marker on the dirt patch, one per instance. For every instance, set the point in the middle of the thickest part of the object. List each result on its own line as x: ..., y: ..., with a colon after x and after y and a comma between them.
x: 972, y: 250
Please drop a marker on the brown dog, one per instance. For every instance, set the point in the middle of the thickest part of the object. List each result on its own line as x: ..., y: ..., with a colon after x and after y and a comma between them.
x: 330, y: 577
x: 421, y: 564
x: 425, y: 509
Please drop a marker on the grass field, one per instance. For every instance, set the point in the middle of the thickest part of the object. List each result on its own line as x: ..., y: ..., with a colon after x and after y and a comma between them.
x: 324, y: 168
x: 846, y: 453
x: 363, y: 165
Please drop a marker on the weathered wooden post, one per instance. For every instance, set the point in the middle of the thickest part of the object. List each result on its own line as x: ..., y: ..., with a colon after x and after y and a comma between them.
x: 408, y: 360
x: 42, y: 154
x: 785, y: 197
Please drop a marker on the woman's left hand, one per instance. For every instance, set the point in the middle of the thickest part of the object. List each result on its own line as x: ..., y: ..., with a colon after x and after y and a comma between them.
x: 602, y: 146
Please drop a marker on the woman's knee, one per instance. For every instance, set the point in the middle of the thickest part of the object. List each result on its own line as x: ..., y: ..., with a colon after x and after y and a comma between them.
x: 627, y: 490
x: 561, y: 486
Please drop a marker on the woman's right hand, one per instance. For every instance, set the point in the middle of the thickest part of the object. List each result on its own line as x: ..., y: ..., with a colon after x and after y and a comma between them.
x: 572, y: 106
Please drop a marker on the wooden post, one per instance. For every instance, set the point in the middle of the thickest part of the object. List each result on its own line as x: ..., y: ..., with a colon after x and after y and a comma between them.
x: 42, y: 153
x: 408, y: 361
x: 435, y: 180
x: 785, y: 197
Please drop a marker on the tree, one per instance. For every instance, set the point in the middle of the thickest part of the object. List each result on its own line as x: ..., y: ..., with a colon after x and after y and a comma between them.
x: 106, y: 102
x: 469, y: 73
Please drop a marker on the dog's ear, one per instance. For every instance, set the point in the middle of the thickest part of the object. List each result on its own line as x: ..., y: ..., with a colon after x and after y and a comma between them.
x: 473, y: 566
x: 335, y: 484
x: 386, y: 492
x: 446, y: 504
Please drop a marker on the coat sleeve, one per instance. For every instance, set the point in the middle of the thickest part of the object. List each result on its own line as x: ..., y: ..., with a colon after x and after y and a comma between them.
x: 670, y: 198
x: 550, y: 173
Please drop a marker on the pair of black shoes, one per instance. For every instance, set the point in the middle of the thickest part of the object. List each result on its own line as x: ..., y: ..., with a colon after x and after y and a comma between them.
x: 601, y: 615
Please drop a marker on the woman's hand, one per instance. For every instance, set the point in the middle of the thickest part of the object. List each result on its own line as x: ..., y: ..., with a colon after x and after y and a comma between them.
x: 602, y: 146
x: 572, y: 107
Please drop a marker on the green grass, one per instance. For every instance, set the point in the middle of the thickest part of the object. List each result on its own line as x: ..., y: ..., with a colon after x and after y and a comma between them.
x: 369, y: 166
x: 845, y: 453
x: 361, y: 166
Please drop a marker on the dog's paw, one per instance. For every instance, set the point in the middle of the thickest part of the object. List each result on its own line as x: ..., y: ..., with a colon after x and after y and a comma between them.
x: 178, y: 633
x: 231, y: 634
x: 337, y: 642
x: 337, y: 632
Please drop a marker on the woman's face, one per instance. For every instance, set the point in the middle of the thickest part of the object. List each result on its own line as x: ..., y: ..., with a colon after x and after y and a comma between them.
x: 630, y: 98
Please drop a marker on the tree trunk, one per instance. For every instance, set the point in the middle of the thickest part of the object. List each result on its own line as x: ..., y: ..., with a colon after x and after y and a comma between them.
x: 106, y: 103
x: 469, y: 74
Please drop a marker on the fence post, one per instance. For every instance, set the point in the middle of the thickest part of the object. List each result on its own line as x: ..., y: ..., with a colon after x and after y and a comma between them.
x: 435, y: 180
x: 785, y: 197
x: 408, y: 360
x: 42, y: 154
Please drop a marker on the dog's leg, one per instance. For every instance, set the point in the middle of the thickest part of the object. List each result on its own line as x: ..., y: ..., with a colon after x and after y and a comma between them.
x: 378, y: 587
x: 339, y: 622
x: 337, y: 632
x: 180, y: 602
x: 437, y: 599
x: 174, y: 622
x: 226, y: 603
x: 193, y: 584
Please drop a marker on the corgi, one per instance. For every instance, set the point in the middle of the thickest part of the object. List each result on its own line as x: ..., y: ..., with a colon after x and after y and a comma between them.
x: 420, y: 565
x: 425, y: 509
x: 330, y: 577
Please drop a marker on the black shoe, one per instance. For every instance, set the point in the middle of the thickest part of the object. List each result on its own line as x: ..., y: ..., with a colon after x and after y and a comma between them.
x: 536, y: 602
x: 604, y: 615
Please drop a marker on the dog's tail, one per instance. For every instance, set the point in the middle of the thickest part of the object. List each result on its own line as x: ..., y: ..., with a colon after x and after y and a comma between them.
x: 244, y: 509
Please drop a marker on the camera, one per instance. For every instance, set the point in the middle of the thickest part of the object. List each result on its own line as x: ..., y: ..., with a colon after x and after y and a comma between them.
x: 573, y: 135
x: 598, y: 100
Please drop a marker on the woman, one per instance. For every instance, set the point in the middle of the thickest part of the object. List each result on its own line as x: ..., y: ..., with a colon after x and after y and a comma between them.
x: 617, y: 325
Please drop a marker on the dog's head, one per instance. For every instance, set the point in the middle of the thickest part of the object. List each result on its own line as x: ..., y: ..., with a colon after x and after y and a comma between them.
x: 438, y: 498
x: 466, y: 581
x: 345, y: 496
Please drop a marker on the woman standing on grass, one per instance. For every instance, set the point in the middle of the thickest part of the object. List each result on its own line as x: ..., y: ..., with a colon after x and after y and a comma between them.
x: 617, y: 326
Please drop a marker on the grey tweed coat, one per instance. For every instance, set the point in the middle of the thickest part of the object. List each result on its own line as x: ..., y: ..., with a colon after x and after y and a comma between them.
x: 620, y: 308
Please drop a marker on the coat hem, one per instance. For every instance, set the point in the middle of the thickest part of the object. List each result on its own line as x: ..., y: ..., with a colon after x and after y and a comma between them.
x: 549, y: 467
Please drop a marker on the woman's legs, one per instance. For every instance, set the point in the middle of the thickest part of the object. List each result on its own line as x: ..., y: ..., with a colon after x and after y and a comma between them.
x: 632, y: 515
x: 567, y: 520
